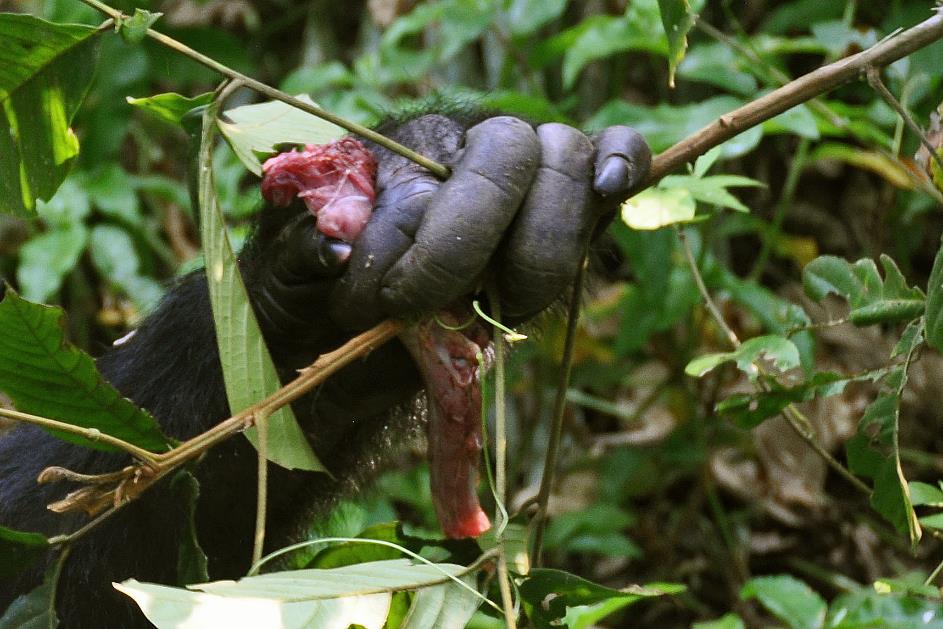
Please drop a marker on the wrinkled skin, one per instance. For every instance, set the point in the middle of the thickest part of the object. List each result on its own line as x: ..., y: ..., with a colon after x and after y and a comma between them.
x: 521, y: 202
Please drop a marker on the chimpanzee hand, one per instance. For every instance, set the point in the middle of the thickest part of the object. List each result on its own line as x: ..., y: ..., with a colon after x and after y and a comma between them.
x: 524, y: 201
x: 521, y: 203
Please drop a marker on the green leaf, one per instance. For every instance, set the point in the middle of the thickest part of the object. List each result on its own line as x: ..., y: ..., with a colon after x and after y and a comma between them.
x: 170, y: 106
x: 45, y: 72
x: 134, y: 29
x: 600, y: 36
x: 192, y: 563
x: 45, y: 375
x: 872, y: 300
x: 778, y: 349
x: 115, y: 257
x: 798, y: 120
x: 727, y: 621
x: 934, y: 521
x: 350, y: 553
x: 878, y: 429
x: 526, y: 16
x: 548, y: 593
x: 712, y: 189
x: 717, y: 64
x: 749, y: 410
x: 259, y: 128
x: 36, y: 609
x: 925, y: 494
x: 867, y: 607
x: 909, y: 339
x: 248, y: 370
x: 112, y: 191
x: 677, y: 18
x: 46, y: 259
x: 19, y: 550
x: 934, y: 327
x: 789, y: 599
x: 655, y: 208
x: 351, y: 595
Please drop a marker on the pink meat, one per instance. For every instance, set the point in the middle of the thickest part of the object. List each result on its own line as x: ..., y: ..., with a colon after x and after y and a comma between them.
x: 335, y: 181
x: 448, y: 362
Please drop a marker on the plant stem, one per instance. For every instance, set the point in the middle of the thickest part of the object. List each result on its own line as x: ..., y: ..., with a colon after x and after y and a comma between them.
x: 874, y: 79
x: 559, y: 408
x: 92, y: 434
x: 796, y: 92
x: 796, y: 165
x: 261, y: 426
x: 268, y: 91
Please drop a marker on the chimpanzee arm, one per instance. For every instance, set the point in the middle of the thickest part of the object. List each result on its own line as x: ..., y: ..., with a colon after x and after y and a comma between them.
x: 426, y: 243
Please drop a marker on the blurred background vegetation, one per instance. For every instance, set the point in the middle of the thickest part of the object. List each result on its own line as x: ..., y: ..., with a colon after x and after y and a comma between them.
x: 654, y: 486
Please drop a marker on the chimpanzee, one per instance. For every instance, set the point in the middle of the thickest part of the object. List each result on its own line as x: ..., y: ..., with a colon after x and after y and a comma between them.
x: 545, y: 191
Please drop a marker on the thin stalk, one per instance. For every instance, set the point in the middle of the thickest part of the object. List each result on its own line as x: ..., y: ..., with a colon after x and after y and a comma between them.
x: 559, y: 407
x: 500, y: 461
x: 268, y: 91
x: 261, y: 502
x: 796, y: 165
x: 874, y: 79
x: 92, y: 434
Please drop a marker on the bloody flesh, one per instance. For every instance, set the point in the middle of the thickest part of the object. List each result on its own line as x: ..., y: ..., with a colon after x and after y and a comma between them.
x: 336, y: 182
x: 448, y: 361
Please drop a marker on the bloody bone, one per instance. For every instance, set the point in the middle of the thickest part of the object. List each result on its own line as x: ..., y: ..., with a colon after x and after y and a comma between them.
x: 336, y: 182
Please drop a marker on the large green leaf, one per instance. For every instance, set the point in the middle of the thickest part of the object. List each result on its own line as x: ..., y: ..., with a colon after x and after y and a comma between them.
x: 45, y: 72
x: 257, y: 129
x: 248, y: 370
x: 326, y: 598
x: 45, y: 375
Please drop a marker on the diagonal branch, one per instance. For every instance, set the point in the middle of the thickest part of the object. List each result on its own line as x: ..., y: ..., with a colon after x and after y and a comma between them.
x: 796, y: 92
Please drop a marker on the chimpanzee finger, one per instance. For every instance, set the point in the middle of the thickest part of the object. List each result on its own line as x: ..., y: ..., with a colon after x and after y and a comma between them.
x: 545, y: 244
x: 302, y: 254
x: 622, y: 163
x: 403, y: 192
x: 355, y: 299
x: 465, y: 219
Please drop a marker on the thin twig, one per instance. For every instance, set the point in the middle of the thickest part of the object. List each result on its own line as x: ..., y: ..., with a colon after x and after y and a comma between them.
x: 874, y: 79
x: 794, y: 93
x: 500, y: 462
x: 559, y: 408
x: 92, y: 434
x: 705, y: 294
x: 266, y: 90
x: 261, y: 501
